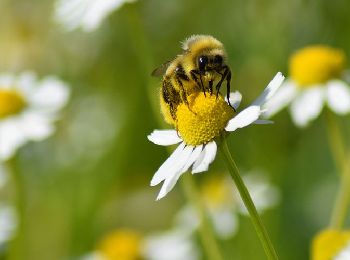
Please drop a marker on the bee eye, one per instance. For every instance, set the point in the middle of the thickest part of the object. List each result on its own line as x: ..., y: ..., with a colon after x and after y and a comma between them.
x: 202, y: 61
x: 218, y: 59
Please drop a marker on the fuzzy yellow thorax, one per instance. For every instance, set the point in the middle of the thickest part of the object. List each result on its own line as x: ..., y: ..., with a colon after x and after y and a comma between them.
x: 203, y: 119
x: 329, y: 243
x: 11, y: 102
x: 316, y: 64
x: 121, y: 245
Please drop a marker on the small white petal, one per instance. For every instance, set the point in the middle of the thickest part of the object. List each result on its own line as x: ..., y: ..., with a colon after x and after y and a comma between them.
x: 35, y: 127
x: 164, y: 137
x: 225, y: 222
x: 244, y: 118
x: 50, y: 96
x: 338, y: 96
x: 344, y: 253
x: 194, y: 157
x: 206, y: 157
x: 11, y: 138
x: 281, y: 99
x: 175, y: 171
x: 270, y: 90
x: 307, y: 105
x: 235, y: 99
x: 162, y: 172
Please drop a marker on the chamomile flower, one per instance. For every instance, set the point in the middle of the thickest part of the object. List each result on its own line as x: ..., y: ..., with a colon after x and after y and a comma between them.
x: 127, y: 244
x: 199, y: 125
x: 314, y: 80
x: 224, y: 204
x: 85, y: 14
x: 28, y: 109
x: 331, y: 245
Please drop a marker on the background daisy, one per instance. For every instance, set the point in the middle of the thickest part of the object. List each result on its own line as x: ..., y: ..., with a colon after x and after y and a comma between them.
x: 28, y: 109
x: 315, y: 80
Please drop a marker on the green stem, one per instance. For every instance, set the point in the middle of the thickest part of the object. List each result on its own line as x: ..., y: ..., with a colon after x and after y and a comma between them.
x: 143, y: 51
x: 248, y: 202
x: 205, y: 229
x: 342, y: 201
x: 341, y: 206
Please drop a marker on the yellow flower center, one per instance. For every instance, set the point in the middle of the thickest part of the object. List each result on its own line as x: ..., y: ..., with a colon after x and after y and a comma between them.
x: 316, y: 64
x: 329, y: 243
x: 203, y: 119
x: 11, y: 102
x: 121, y: 245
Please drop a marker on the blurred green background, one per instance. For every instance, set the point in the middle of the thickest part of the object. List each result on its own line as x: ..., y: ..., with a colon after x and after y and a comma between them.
x: 93, y: 175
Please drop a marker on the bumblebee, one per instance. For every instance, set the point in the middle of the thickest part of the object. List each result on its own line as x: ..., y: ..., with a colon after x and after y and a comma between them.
x: 200, y: 67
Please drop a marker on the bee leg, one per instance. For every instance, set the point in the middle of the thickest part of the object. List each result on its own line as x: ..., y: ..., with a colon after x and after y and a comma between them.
x: 228, y: 87
x: 200, y: 84
x: 211, y: 87
x: 223, y: 77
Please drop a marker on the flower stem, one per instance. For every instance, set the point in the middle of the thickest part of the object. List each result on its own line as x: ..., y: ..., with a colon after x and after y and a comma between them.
x: 342, y: 201
x: 205, y: 229
x: 248, y: 202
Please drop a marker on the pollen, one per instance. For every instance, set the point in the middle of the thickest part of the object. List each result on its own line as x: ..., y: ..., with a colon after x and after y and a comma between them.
x: 11, y: 102
x: 316, y: 64
x: 121, y: 244
x: 203, y: 119
x: 329, y: 243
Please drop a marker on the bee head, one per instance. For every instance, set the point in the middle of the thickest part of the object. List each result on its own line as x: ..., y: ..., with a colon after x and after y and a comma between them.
x: 209, y: 63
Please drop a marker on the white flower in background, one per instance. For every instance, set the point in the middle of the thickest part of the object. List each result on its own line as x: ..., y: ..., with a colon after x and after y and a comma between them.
x: 198, y: 125
x: 28, y: 109
x: 314, y: 80
x: 223, y: 202
x: 8, y: 222
x: 171, y: 245
x: 331, y: 244
x: 85, y: 14
x: 130, y: 245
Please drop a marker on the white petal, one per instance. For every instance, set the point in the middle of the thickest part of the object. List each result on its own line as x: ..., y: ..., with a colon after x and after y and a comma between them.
x: 164, y: 137
x: 175, y: 171
x: 176, y: 244
x: 51, y: 95
x: 244, y: 118
x: 162, y: 172
x: 307, y: 105
x: 281, y: 99
x: 36, y: 127
x: 225, y: 222
x: 205, y: 158
x: 11, y: 138
x: 344, y: 253
x: 194, y: 157
x: 338, y: 96
x: 270, y: 90
x: 26, y: 83
x: 235, y: 99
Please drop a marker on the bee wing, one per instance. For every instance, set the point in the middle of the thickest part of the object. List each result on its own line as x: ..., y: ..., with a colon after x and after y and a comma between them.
x: 160, y: 71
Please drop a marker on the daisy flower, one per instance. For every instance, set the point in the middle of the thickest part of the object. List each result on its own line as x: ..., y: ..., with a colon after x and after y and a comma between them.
x: 331, y: 245
x: 314, y: 80
x: 131, y: 245
x: 199, y: 125
x: 224, y: 204
x: 85, y: 14
x: 28, y: 109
